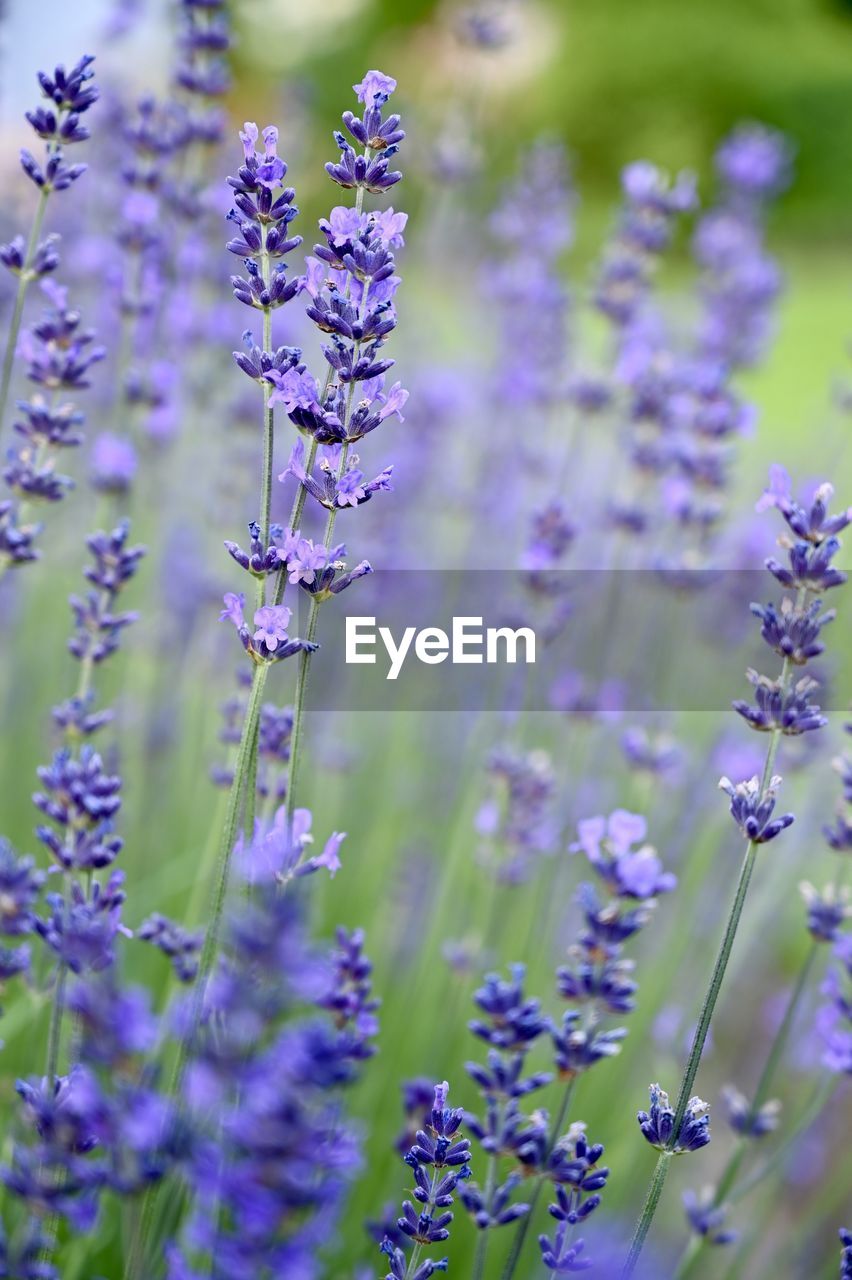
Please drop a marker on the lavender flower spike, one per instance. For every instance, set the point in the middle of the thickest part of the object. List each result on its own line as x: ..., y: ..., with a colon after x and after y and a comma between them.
x: 439, y: 1160
x: 752, y: 808
x: 658, y: 1124
x: 68, y: 95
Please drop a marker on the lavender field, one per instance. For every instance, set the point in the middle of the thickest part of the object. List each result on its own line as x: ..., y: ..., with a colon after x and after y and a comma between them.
x: 425, y: 667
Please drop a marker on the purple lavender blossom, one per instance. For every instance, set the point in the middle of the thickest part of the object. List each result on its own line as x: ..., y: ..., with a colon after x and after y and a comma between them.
x: 657, y: 1125
x: 182, y: 946
x: 608, y: 844
x: 577, y: 1196
x: 113, y: 463
x: 282, y: 853
x: 752, y: 807
x: 706, y: 1219
x: 745, y: 1119
x: 439, y: 1160
x: 834, y: 1018
x: 284, y: 1156
x: 846, y: 1254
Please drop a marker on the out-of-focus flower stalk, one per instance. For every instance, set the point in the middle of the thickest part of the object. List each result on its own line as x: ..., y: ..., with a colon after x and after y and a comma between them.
x: 68, y: 95
x: 25, y: 278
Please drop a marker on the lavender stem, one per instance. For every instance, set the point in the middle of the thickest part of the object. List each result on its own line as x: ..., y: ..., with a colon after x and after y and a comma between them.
x: 482, y: 1241
x: 729, y: 1174
x: 709, y: 1005
x: 24, y: 280
x: 229, y: 836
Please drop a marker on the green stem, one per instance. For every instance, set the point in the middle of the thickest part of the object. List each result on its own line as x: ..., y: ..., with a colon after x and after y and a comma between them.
x: 526, y: 1222
x: 229, y: 830
x: 55, y: 1032
x: 414, y: 1256
x: 482, y: 1241
x: 299, y: 710
x: 729, y: 1174
x: 782, y: 1036
x: 134, y: 1269
x: 24, y: 280
x: 652, y: 1199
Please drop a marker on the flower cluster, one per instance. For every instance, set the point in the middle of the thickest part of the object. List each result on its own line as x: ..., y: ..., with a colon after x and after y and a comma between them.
x: 792, y: 629
x: 273, y: 744
x: 180, y: 945
x: 281, y: 853
x: 648, y: 217
x: 262, y: 214
x: 202, y: 70
x: 658, y: 1124
x: 350, y: 283
x: 68, y: 95
x: 707, y: 1219
x: 270, y: 641
x: 746, y: 1119
x: 439, y: 1162
x: 516, y: 820
x: 846, y: 1254
x: 598, y: 978
x: 510, y: 1024
x: 532, y: 227
x: 834, y: 1018
x: 740, y: 280
x: 577, y: 1196
x: 20, y: 887
x: 827, y: 912
x: 80, y: 796
x: 271, y: 1155
x: 58, y: 354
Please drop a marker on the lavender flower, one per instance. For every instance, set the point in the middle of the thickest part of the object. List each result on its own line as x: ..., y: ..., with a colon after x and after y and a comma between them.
x: 780, y: 710
x: 827, y: 910
x: 113, y: 463
x: 516, y: 820
x: 439, y: 1161
x: 706, y: 1218
x: 744, y: 1119
x: 846, y: 1254
x: 202, y: 67
x: 608, y: 844
x: 576, y: 1198
x: 270, y: 641
x: 350, y: 999
x: 649, y: 212
x: 179, y: 944
x: 834, y: 1018
x: 282, y: 853
x: 752, y: 808
x: 68, y: 95
x: 59, y: 355
x: 740, y: 280
x: 20, y: 887
x: 264, y: 1180
x: 533, y: 226
x: 379, y: 138
x: 658, y: 1126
